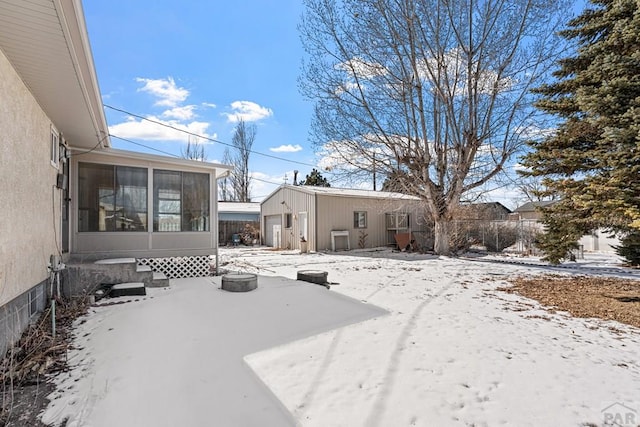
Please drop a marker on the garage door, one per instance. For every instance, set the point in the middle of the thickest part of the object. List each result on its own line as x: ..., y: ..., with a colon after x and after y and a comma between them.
x: 272, y: 227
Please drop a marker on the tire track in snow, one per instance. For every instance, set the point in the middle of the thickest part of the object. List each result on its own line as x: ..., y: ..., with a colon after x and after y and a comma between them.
x: 389, y: 379
x: 309, y: 396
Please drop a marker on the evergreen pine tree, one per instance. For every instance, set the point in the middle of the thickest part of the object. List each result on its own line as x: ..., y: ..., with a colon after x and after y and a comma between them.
x: 593, y: 160
x: 630, y: 248
x: 316, y: 179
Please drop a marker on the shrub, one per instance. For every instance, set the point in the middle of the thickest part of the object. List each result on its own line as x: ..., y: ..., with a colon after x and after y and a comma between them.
x: 630, y: 248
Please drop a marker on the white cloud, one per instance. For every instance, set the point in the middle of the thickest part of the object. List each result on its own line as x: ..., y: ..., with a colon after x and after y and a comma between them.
x: 247, y: 111
x: 168, y: 94
x: 180, y: 113
x: 149, y: 131
x: 358, y: 67
x: 348, y: 155
x: 209, y: 105
x: 286, y: 148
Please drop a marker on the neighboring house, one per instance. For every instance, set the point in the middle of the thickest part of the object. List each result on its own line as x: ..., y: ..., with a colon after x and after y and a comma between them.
x: 598, y: 241
x: 233, y: 217
x: 492, y: 211
x: 68, y: 195
x: 334, y: 218
x: 531, y: 210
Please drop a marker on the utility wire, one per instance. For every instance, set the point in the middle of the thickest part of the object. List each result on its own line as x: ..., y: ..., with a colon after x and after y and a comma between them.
x: 92, y: 149
x: 142, y: 145
x: 205, y: 137
x: 175, y: 155
x: 264, y: 180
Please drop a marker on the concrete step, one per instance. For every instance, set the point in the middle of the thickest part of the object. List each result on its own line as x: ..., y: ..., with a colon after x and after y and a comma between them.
x: 112, y: 261
x: 127, y: 289
x: 160, y: 280
x: 143, y: 268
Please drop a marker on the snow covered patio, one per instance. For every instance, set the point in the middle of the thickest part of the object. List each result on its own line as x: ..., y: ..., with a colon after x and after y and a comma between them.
x: 452, y: 350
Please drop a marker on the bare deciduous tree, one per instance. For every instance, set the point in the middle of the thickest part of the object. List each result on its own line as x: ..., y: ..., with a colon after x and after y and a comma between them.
x: 224, y: 190
x: 438, y: 90
x: 240, y: 180
x: 533, y: 189
x: 194, y: 150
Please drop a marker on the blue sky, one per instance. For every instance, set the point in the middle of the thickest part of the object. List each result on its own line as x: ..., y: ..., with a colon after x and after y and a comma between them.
x: 199, y: 66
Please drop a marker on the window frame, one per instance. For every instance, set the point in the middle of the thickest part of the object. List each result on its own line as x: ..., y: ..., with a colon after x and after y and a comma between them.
x: 393, y: 219
x: 32, y: 303
x: 183, y: 201
x: 114, y: 189
x: 54, y: 149
x: 357, y: 215
x: 288, y: 220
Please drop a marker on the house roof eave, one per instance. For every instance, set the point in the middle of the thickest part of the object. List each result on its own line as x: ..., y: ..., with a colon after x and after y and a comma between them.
x: 47, y: 44
x: 220, y: 169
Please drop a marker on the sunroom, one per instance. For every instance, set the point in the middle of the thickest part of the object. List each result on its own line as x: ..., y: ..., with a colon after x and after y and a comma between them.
x: 139, y: 205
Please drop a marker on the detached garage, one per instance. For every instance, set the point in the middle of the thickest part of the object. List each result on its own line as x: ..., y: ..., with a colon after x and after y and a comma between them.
x: 337, y: 218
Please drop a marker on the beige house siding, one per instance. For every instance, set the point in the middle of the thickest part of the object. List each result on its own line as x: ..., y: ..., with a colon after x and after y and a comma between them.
x: 335, y: 212
x: 97, y: 245
x: 289, y: 201
x: 31, y: 202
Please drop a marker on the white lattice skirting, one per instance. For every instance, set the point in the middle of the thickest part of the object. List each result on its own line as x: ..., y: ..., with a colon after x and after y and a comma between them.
x: 180, y: 267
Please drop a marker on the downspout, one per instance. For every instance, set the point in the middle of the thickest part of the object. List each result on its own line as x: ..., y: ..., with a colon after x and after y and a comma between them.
x: 315, y: 222
x: 217, y: 221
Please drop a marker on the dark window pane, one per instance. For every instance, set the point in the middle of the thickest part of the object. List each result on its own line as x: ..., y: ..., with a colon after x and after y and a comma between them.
x: 96, y: 197
x: 131, y: 199
x: 195, y: 202
x: 167, y: 200
x: 359, y: 220
x: 111, y: 198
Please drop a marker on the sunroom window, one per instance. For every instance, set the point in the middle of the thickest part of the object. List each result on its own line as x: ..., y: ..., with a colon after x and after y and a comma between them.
x: 181, y: 201
x: 112, y: 198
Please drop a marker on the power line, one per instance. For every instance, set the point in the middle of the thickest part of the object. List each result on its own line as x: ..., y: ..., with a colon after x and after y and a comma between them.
x: 264, y: 180
x: 175, y: 155
x: 92, y: 149
x: 142, y: 145
x: 204, y: 137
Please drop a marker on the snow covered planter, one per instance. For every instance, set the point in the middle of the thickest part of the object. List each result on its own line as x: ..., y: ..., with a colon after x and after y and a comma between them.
x: 239, y: 282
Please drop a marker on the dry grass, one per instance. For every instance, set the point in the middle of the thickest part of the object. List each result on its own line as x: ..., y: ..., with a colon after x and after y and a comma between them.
x: 583, y: 296
x: 23, y: 382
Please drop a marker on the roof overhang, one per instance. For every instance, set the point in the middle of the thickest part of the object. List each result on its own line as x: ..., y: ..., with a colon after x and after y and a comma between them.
x: 343, y: 192
x: 112, y: 155
x: 47, y: 43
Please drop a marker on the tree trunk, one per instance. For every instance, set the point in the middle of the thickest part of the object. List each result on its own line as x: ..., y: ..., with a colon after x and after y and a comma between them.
x: 441, y: 243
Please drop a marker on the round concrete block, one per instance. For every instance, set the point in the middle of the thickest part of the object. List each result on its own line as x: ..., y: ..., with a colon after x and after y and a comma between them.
x: 239, y: 282
x: 313, y: 276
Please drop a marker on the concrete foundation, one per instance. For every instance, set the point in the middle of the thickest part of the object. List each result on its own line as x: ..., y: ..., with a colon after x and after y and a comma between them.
x: 17, y: 314
x: 85, y: 278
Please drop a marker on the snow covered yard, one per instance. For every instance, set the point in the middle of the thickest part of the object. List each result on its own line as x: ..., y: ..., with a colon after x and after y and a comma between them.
x: 452, y: 350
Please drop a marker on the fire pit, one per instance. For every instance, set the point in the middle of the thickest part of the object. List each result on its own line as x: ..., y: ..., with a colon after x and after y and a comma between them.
x: 239, y: 282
